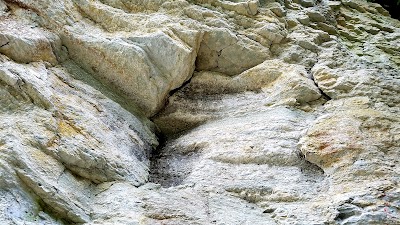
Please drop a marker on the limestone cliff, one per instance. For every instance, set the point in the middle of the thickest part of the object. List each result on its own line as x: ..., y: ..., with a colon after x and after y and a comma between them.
x: 199, y: 112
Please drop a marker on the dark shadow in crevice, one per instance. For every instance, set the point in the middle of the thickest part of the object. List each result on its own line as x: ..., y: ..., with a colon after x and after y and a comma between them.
x: 20, y: 5
x: 308, y: 168
x: 393, y: 6
x: 324, y: 95
x: 171, y: 164
x: 169, y: 168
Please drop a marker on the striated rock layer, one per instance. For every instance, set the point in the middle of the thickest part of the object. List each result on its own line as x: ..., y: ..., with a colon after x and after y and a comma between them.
x: 199, y: 112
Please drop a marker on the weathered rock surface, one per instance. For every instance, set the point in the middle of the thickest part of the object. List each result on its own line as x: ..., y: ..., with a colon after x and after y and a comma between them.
x: 199, y: 112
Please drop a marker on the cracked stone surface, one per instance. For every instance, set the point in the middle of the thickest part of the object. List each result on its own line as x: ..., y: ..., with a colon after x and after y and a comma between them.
x: 199, y: 112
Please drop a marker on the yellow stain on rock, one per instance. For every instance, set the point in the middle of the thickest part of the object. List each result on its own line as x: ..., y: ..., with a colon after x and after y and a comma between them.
x: 66, y: 129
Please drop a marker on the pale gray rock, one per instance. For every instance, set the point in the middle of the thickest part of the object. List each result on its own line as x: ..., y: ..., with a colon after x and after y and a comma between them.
x: 243, y: 7
x: 277, y: 8
x: 152, y: 72
x: 107, y: 56
x: 316, y: 16
x: 26, y: 43
x: 224, y: 52
x: 356, y: 156
x: 57, y: 143
x: 276, y: 86
x: 3, y: 7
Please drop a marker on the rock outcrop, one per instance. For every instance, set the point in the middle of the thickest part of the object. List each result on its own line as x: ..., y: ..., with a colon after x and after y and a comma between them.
x: 199, y: 112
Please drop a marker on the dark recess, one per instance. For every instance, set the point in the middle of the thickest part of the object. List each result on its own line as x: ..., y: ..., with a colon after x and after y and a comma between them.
x: 393, y: 6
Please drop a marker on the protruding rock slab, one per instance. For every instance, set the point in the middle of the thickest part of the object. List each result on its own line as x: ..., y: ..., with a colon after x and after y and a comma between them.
x: 25, y: 43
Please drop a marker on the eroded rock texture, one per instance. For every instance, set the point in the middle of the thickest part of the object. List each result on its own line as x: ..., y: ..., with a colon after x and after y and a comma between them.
x: 199, y: 112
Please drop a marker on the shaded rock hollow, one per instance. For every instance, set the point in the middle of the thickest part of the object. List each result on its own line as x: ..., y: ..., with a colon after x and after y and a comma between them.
x: 199, y: 112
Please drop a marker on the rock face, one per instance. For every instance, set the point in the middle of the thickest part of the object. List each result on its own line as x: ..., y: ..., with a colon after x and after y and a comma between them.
x: 199, y: 112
